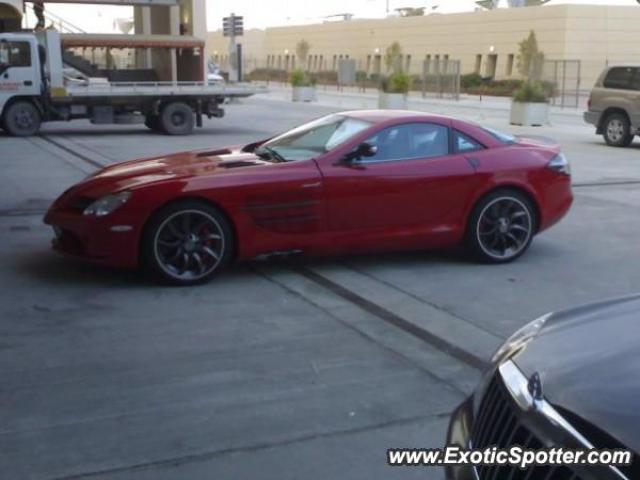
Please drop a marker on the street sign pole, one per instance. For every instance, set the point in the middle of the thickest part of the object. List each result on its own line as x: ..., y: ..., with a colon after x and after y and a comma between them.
x: 232, y: 27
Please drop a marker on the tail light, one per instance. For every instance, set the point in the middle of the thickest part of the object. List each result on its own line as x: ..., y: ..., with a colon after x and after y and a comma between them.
x: 560, y: 164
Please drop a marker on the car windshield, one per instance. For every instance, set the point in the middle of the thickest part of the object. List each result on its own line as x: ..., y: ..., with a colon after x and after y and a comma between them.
x: 501, y: 136
x: 313, y: 138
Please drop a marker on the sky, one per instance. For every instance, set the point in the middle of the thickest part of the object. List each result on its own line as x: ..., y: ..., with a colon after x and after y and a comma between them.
x: 267, y: 13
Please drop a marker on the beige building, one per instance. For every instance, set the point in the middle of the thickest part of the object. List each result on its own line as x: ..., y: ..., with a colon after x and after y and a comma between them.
x: 484, y: 41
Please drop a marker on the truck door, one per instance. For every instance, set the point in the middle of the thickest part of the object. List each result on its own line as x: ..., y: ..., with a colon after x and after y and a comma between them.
x: 18, y: 69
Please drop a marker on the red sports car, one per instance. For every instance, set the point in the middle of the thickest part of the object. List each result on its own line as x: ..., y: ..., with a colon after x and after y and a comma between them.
x: 359, y: 181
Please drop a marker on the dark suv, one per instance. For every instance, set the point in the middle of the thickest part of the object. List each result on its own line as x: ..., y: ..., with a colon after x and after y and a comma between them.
x: 614, y: 105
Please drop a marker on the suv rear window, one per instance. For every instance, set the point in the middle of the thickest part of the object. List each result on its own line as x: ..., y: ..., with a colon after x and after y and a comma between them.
x: 621, y: 78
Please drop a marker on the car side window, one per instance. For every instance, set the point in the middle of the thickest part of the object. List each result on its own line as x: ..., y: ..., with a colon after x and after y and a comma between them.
x: 620, y: 78
x: 409, y: 141
x: 635, y: 83
x: 463, y: 143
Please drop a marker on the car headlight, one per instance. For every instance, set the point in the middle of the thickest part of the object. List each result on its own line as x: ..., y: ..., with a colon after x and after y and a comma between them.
x: 519, y: 340
x: 560, y: 164
x: 107, y: 204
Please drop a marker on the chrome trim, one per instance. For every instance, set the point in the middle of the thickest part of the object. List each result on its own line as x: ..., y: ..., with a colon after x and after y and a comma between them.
x: 121, y: 228
x: 517, y: 384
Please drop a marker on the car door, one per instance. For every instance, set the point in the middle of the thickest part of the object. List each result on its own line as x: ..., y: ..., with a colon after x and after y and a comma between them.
x: 414, y: 180
x: 18, y: 69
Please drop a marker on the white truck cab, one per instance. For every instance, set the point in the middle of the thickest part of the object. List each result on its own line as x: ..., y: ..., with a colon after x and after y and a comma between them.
x: 20, y: 82
x: 34, y: 89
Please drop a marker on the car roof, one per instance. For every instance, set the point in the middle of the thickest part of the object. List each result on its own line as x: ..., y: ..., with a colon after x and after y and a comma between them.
x: 378, y: 116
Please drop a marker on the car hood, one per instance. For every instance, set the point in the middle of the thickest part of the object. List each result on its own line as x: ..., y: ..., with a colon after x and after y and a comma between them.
x: 588, y: 360
x: 132, y: 174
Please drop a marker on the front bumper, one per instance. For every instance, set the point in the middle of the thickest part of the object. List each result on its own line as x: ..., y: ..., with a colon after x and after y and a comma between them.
x: 459, y: 434
x: 110, y: 240
x: 592, y: 118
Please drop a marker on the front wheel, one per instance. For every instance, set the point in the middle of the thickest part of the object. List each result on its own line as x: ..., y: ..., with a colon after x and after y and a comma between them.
x: 501, y: 227
x: 617, y: 130
x: 186, y: 243
x: 21, y: 119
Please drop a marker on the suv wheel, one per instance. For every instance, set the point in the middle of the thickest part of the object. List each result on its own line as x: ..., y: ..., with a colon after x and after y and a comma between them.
x: 617, y: 130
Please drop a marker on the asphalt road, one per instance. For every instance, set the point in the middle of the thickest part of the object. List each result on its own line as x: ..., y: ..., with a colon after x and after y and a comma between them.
x: 282, y: 370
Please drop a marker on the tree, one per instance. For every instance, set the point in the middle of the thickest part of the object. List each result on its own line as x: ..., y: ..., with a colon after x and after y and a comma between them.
x: 302, y: 51
x: 393, y: 58
x: 530, y: 58
x: 411, y: 11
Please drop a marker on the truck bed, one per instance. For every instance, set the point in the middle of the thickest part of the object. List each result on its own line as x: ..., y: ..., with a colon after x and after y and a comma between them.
x: 157, y: 89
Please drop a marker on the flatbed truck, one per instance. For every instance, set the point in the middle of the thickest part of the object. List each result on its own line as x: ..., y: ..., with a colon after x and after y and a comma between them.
x: 35, y: 89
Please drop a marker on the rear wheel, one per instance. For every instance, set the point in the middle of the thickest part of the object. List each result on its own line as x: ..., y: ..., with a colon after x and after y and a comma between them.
x: 501, y: 226
x: 21, y: 119
x: 617, y: 130
x: 177, y: 119
x: 152, y: 122
x: 186, y: 243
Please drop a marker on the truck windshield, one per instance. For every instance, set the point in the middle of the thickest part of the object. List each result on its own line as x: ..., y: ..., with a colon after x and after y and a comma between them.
x: 313, y: 138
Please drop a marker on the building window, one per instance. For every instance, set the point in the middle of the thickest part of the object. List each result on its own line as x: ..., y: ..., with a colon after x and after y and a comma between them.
x: 335, y: 62
x: 492, y: 63
x: 407, y: 64
x: 436, y: 64
x: 478, y: 63
x: 510, y: 59
x: 427, y: 65
x: 445, y: 63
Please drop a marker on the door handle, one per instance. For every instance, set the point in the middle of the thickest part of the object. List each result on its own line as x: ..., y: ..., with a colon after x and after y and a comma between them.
x: 311, y: 185
x: 28, y: 83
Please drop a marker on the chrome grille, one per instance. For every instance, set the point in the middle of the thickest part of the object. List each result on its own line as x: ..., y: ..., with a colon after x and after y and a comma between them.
x: 497, y: 424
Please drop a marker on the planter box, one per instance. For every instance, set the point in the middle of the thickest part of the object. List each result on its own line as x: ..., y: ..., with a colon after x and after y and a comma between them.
x: 529, y: 114
x: 392, y: 101
x: 303, y: 94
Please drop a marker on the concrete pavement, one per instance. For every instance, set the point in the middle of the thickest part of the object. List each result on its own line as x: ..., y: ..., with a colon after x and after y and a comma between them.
x: 269, y: 371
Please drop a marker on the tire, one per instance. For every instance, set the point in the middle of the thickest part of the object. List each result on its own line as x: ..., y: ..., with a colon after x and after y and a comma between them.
x: 616, y: 130
x: 177, y: 119
x: 152, y: 122
x: 186, y: 243
x: 21, y: 119
x: 501, y: 226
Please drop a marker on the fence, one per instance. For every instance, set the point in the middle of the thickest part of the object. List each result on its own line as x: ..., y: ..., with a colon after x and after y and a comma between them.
x: 565, y: 76
x: 441, y: 79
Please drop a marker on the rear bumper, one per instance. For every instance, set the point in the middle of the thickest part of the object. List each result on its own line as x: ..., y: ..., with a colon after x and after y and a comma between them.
x: 110, y: 240
x: 558, y: 198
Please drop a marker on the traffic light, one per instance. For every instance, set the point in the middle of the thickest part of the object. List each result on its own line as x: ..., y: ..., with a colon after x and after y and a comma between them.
x: 233, y: 26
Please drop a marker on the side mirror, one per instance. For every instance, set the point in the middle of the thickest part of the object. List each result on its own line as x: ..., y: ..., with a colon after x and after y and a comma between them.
x: 363, y: 150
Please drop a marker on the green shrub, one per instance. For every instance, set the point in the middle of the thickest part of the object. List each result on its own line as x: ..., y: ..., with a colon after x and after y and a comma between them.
x: 470, y: 80
x: 326, y: 77
x: 398, y: 82
x: 264, y: 74
x: 497, y: 88
x: 300, y: 78
x: 531, y: 92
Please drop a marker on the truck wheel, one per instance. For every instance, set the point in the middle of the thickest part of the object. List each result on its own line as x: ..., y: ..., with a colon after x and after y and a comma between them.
x: 21, y: 119
x: 177, y: 119
x: 617, y: 130
x: 152, y: 122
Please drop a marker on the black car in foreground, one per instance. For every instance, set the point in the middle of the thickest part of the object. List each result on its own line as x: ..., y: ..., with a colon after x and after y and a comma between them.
x: 569, y: 379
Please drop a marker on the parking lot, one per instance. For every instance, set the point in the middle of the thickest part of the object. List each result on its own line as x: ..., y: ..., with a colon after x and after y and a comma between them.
x: 285, y: 369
